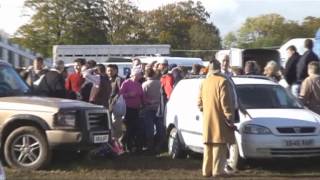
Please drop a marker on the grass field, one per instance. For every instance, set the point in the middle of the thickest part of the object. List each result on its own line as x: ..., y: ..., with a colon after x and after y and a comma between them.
x: 140, y: 167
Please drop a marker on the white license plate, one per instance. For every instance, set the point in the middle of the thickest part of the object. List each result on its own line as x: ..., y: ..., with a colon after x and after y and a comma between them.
x: 100, y: 138
x: 299, y: 142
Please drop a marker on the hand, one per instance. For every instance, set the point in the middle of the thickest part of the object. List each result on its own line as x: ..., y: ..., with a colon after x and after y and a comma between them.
x: 231, y: 125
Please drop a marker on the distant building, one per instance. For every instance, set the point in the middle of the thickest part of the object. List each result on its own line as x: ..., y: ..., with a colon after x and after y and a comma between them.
x: 13, y: 53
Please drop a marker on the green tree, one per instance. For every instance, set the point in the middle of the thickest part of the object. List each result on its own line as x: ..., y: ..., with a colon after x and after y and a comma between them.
x: 310, y: 26
x: 183, y: 25
x: 230, y: 40
x: 124, y: 22
x: 270, y: 30
x: 261, y: 31
x: 62, y: 22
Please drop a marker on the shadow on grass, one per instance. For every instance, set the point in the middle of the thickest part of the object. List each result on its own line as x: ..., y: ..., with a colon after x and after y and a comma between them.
x: 303, y: 167
x: 286, y: 165
x: 124, y: 162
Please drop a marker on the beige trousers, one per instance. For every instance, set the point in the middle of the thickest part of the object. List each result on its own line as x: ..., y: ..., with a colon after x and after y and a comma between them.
x: 214, y: 159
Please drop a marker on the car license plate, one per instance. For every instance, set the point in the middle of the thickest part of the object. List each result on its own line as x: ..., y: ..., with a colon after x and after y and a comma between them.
x: 299, y: 142
x: 100, y: 138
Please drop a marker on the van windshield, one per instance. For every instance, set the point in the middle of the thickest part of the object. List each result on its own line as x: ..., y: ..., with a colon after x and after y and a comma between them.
x: 266, y: 97
x: 11, y: 83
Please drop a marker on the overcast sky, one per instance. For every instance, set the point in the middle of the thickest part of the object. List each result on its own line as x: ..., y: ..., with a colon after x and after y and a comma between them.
x: 227, y: 15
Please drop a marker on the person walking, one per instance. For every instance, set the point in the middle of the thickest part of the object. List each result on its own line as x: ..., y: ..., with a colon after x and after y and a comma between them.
x: 52, y: 84
x: 101, y: 86
x: 34, y: 74
x: 225, y: 62
x: 251, y: 68
x: 75, y: 80
x: 87, y: 85
x: 132, y: 92
x: 215, y: 100
x: 302, y: 65
x: 167, y: 83
x: 290, y: 73
x: 272, y: 71
x: 310, y: 88
x: 116, y: 81
x: 151, y: 89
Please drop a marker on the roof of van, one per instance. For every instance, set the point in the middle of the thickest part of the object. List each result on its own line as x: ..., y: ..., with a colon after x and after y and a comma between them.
x: 173, y: 60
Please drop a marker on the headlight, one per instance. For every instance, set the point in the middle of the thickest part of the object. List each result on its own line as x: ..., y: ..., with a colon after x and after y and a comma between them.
x: 65, y: 119
x: 255, y: 129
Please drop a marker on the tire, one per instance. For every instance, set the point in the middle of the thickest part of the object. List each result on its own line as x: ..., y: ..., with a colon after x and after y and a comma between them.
x: 27, y: 148
x: 175, y: 149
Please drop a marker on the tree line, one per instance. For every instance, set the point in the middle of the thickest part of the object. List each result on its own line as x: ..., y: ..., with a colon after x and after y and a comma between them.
x: 185, y: 25
x: 270, y: 30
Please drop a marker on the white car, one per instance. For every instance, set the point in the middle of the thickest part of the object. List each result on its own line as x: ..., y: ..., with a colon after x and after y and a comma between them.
x: 277, y: 124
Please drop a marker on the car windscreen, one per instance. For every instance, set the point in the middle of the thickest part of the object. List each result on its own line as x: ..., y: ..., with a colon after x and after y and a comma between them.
x: 11, y: 83
x: 265, y: 97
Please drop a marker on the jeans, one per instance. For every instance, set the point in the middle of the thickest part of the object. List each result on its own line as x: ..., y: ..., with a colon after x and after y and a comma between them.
x: 133, y: 137
x: 154, y: 130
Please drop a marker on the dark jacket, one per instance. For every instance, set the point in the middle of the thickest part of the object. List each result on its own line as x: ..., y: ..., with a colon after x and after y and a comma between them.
x: 52, y: 85
x: 290, y: 73
x: 115, y: 90
x: 100, y: 96
x: 30, y: 76
x: 302, y: 65
x: 85, y: 91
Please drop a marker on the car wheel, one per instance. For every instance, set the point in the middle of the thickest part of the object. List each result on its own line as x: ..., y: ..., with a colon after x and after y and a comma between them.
x: 27, y: 148
x: 174, y: 145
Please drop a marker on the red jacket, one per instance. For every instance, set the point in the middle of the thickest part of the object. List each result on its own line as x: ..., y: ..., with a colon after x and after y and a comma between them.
x: 74, y: 82
x: 167, y: 84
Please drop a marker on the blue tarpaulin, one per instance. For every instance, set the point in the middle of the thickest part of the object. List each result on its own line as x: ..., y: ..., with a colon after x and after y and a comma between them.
x: 316, y: 47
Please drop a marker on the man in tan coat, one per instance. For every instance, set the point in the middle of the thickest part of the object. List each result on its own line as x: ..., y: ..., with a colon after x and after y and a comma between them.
x: 215, y: 100
x: 310, y: 88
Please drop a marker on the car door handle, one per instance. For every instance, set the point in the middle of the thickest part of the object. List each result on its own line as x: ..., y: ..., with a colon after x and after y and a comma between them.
x: 197, y: 117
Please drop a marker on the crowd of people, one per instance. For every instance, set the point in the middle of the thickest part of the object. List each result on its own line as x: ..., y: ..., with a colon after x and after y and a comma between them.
x: 148, y: 87
x: 145, y: 92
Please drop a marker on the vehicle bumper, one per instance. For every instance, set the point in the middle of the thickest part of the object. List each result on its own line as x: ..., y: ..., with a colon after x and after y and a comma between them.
x: 270, y: 146
x: 61, y: 139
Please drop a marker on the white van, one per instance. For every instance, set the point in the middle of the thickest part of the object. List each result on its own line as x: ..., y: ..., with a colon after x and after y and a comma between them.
x: 276, y: 125
x: 180, y: 61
